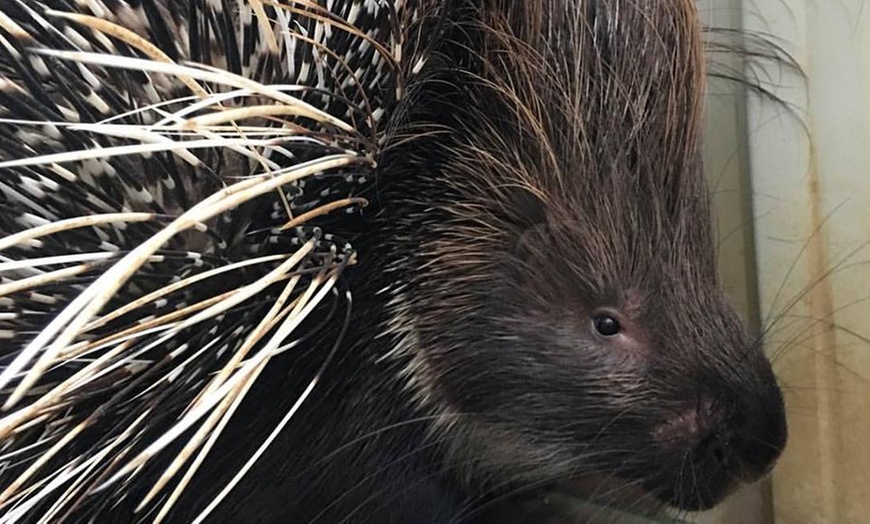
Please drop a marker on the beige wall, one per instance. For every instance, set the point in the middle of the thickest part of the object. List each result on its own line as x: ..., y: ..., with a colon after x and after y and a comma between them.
x: 812, y: 196
x: 804, y: 179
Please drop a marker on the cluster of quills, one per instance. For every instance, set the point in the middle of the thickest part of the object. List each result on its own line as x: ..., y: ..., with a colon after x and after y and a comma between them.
x: 168, y: 173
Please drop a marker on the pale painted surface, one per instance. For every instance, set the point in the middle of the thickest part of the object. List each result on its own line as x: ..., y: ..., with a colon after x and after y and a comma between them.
x: 802, y: 269
x: 811, y: 203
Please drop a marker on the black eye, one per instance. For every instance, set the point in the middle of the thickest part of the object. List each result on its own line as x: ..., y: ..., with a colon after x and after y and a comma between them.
x: 606, y: 325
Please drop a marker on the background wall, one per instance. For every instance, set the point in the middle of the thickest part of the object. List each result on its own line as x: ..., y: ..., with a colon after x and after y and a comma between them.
x: 727, y: 159
x: 792, y: 188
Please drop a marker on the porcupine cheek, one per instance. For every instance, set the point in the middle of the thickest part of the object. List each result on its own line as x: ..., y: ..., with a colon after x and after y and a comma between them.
x: 542, y: 411
x: 574, y: 391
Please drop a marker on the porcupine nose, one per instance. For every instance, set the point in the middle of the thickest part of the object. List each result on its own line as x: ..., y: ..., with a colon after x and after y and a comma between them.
x: 739, y: 455
x: 732, y: 447
x: 729, y: 457
x: 755, y: 440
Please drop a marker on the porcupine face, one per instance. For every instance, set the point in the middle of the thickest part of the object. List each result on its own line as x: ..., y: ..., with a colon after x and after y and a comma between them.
x: 567, y: 310
x: 616, y: 373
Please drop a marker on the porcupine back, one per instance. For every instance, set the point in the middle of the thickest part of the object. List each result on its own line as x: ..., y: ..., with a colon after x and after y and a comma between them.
x: 127, y: 113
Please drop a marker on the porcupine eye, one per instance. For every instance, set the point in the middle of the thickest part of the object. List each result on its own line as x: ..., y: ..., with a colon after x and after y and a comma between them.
x: 606, y: 325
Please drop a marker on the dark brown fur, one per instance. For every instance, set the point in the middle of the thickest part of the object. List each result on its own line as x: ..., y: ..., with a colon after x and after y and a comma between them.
x: 542, y: 169
x: 564, y: 178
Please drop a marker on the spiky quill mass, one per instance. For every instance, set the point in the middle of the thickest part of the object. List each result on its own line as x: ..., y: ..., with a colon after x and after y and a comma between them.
x: 161, y: 163
x: 182, y: 201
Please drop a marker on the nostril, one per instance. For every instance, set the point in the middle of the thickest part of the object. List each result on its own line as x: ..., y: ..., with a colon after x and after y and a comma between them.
x: 718, y: 450
x: 719, y: 454
x: 742, y: 458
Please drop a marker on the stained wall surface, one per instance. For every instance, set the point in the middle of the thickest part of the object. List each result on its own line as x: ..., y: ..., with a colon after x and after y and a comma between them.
x: 792, y: 182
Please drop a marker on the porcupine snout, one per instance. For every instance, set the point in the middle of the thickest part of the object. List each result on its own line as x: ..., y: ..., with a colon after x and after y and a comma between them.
x: 724, y: 440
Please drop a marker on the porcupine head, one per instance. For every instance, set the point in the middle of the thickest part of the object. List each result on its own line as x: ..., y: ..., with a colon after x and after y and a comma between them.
x: 563, y: 307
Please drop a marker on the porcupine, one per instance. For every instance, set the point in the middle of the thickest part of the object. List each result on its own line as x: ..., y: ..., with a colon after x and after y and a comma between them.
x: 535, y: 295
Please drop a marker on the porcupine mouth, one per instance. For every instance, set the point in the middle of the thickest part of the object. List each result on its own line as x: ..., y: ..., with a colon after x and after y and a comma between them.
x: 653, y: 494
x: 594, y: 498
